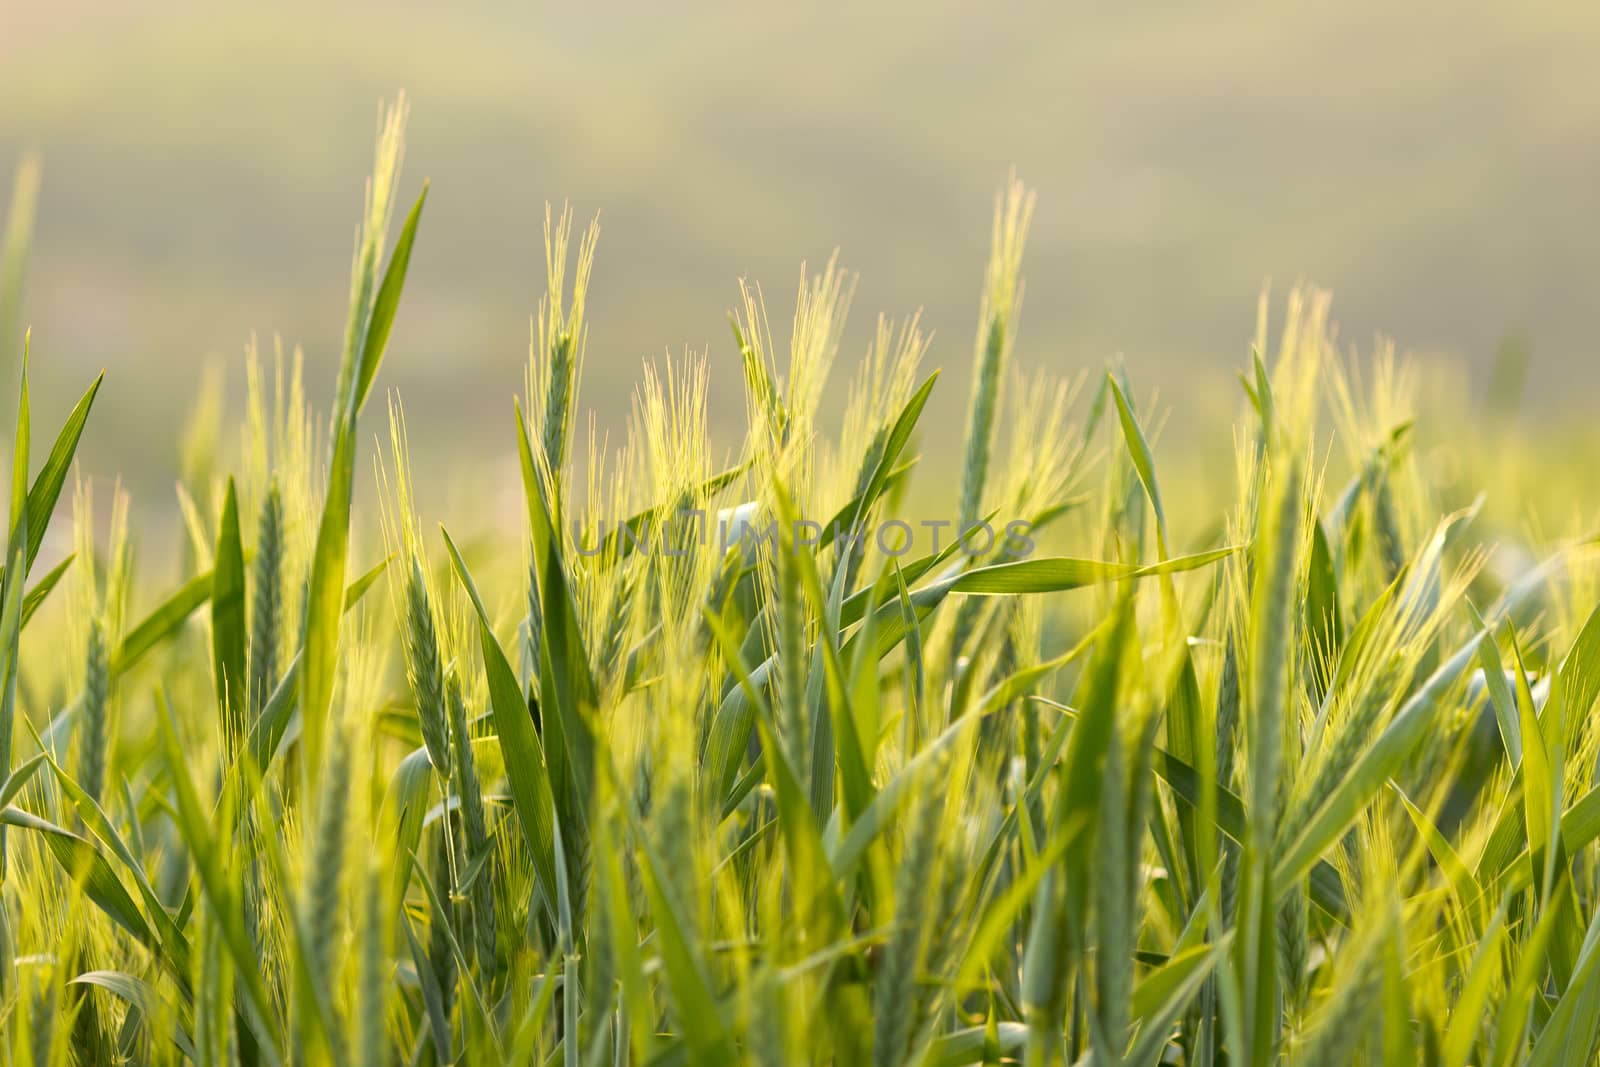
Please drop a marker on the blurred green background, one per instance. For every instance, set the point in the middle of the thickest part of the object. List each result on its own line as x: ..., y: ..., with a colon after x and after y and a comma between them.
x: 203, y: 166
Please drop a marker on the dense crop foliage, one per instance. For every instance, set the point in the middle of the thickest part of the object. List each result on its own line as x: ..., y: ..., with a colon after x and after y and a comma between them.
x: 678, y: 770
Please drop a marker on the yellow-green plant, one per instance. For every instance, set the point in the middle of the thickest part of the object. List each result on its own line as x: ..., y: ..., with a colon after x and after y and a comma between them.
x: 1288, y: 772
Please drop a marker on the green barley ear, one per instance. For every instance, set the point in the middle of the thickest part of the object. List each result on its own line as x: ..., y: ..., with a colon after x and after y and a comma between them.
x: 103, y: 579
x: 409, y: 581
x: 1043, y: 462
x: 793, y: 707
x: 997, y: 323
x: 558, y: 403
x: 266, y: 613
x: 1293, y: 947
x: 895, y: 997
x: 373, y: 305
x: 668, y: 437
x: 884, y: 382
x: 781, y: 412
x: 752, y: 338
x: 17, y: 240
x: 441, y: 958
x: 424, y: 669
x: 556, y: 356
x: 1342, y: 1023
x: 321, y: 901
x: 620, y: 616
x: 674, y: 832
x: 479, y: 861
x: 752, y: 334
x: 367, y: 1042
x: 372, y: 236
x: 96, y: 697
x: 278, y: 443
x: 820, y: 310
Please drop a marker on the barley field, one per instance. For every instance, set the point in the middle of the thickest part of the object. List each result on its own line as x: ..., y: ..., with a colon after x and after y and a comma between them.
x: 705, y: 755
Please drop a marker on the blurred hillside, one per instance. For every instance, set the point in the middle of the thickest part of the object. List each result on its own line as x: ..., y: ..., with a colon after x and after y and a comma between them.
x: 203, y: 167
